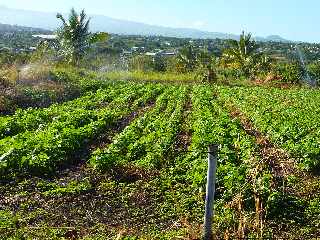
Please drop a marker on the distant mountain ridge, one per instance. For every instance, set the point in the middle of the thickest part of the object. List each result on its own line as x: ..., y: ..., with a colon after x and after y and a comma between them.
x: 48, y: 21
x: 7, y: 28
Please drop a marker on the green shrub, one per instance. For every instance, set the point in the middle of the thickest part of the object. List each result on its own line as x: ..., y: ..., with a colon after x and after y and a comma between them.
x: 289, y: 72
x: 314, y: 70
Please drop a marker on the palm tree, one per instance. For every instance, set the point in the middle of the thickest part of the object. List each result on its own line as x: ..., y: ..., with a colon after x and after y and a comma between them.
x: 242, y: 54
x: 74, y: 36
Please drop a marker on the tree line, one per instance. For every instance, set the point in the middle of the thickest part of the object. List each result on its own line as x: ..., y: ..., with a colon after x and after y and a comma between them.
x: 227, y: 59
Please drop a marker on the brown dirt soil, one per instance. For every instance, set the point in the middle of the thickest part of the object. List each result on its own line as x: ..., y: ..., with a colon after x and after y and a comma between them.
x: 184, y: 137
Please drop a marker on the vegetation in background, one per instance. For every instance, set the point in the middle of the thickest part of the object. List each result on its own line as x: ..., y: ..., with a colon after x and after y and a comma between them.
x: 231, y: 61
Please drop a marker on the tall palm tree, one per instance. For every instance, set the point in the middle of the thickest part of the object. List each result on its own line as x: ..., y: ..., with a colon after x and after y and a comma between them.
x: 74, y: 35
x: 242, y: 54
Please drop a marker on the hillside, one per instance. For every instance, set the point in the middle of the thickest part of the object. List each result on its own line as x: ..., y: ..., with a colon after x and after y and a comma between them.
x: 103, y: 23
x: 16, y: 29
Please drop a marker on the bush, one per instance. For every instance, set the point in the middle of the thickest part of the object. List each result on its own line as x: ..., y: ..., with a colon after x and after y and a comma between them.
x: 314, y: 70
x: 290, y: 72
x: 159, y: 64
x: 141, y: 63
x: 8, y: 76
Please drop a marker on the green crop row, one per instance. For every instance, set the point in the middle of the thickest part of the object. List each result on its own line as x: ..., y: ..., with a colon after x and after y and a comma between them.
x: 290, y: 118
x: 212, y: 124
x: 146, y: 141
x: 186, y: 178
x: 34, y: 118
x: 42, y: 150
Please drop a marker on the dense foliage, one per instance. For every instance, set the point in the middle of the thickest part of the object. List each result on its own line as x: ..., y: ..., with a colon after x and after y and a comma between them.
x: 289, y: 118
x: 46, y: 139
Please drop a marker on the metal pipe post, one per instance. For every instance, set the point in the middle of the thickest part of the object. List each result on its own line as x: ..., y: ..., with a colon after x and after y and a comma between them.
x: 211, y: 181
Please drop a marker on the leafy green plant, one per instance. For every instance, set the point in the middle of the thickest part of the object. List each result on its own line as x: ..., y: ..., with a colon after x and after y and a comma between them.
x: 42, y: 150
x: 73, y: 187
x: 290, y: 72
x: 284, y: 116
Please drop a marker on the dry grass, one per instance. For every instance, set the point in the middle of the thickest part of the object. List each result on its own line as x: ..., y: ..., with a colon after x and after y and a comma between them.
x: 34, y: 73
x: 151, y: 76
x: 8, y: 75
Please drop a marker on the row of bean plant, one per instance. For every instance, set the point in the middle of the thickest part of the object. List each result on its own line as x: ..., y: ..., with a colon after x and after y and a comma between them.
x: 147, y: 140
x: 33, y: 118
x: 210, y: 124
x: 290, y: 118
x: 42, y: 150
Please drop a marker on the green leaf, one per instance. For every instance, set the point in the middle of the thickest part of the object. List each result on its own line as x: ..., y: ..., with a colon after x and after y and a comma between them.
x: 99, y: 37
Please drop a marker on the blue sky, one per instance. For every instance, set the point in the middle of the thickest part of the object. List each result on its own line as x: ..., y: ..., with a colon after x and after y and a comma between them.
x: 292, y: 19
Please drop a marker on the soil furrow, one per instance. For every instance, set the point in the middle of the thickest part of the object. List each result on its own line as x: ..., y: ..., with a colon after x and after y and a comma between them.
x: 283, y: 168
x: 183, y: 140
x: 281, y: 164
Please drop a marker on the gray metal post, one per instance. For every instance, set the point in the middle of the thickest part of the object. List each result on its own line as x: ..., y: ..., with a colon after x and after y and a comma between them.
x: 19, y: 71
x: 211, y: 181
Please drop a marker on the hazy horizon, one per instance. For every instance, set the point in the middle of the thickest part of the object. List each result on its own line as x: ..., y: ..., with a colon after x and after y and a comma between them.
x: 261, y: 19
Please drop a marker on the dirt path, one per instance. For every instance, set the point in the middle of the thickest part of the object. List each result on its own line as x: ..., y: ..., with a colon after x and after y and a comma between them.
x: 184, y: 137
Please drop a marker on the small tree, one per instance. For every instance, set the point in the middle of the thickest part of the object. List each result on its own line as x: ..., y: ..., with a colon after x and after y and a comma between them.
x: 240, y: 54
x: 75, y: 38
x: 207, y: 65
x: 187, y: 59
